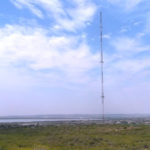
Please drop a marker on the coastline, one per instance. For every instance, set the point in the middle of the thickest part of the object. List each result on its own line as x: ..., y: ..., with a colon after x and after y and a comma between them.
x: 145, y: 121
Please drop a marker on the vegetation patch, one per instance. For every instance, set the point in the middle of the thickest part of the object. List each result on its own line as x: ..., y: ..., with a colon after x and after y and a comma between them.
x: 76, y: 137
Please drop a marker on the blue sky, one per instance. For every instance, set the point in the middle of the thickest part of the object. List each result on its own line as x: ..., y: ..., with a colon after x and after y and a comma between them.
x: 50, y: 52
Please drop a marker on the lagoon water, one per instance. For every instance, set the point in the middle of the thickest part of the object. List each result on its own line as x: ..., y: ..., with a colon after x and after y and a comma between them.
x: 70, y: 117
x: 40, y: 118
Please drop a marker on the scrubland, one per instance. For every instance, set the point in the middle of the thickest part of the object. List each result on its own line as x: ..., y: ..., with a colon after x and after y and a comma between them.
x: 75, y: 137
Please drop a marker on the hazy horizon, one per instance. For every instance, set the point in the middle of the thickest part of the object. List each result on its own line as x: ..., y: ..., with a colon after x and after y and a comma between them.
x: 32, y: 115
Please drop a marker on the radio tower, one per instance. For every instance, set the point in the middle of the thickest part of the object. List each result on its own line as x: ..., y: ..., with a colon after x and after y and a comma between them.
x: 102, y: 63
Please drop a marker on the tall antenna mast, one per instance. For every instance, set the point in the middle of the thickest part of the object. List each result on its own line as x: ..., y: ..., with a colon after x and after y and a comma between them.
x: 102, y: 63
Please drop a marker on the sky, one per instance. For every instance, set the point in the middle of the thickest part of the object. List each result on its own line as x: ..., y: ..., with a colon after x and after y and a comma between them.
x: 50, y: 56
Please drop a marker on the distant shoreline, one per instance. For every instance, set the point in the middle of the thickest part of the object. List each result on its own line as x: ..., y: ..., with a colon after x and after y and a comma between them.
x: 43, y: 120
x: 126, y: 121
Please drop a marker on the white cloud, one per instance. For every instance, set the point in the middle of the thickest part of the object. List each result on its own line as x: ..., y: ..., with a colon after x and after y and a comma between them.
x: 126, y: 66
x: 123, y: 30
x: 147, y: 25
x: 35, y: 50
x: 127, y: 44
x: 68, y: 58
x: 106, y: 36
x: 70, y: 19
x: 132, y: 66
x: 126, y: 4
x: 21, y: 3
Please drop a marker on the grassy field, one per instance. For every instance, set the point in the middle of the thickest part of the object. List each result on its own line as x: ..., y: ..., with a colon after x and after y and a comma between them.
x: 76, y: 137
